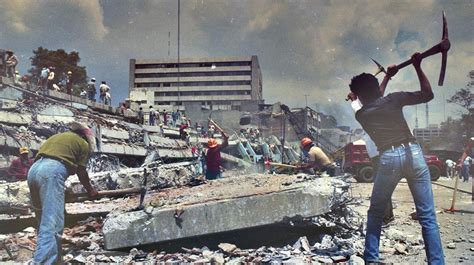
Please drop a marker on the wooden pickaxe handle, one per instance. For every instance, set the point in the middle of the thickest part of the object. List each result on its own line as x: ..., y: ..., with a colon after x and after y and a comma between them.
x: 77, y: 197
x: 442, y: 47
x: 282, y: 165
x: 217, y: 126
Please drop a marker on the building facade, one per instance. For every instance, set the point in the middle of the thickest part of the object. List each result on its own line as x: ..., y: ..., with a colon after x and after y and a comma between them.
x: 213, y: 83
x: 425, y: 135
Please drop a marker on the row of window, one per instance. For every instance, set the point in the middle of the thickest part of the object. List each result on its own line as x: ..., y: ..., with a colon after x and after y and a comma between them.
x: 219, y: 105
x: 201, y: 93
x: 194, y: 74
x: 196, y: 83
x: 183, y: 65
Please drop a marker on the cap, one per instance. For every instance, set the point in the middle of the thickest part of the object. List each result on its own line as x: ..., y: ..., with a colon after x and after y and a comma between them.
x: 86, y: 131
x: 211, y: 143
x: 69, y: 72
x: 24, y: 150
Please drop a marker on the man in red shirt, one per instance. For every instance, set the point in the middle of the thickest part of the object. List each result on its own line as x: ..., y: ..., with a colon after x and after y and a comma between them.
x: 20, y: 166
x: 213, y: 157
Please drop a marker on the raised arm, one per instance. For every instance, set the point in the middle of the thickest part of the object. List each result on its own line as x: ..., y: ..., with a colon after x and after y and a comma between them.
x: 391, y: 71
x: 425, y: 86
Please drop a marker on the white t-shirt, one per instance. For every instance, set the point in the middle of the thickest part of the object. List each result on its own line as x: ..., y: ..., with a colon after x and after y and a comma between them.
x: 468, y: 161
x: 450, y: 163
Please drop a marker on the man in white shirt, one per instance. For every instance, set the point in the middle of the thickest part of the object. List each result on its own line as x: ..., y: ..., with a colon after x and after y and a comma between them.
x: 450, y: 168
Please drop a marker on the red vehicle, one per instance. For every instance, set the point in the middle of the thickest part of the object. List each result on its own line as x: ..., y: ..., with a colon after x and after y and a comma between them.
x: 357, y: 162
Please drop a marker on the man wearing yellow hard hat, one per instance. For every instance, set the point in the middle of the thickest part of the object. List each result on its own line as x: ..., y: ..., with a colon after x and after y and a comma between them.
x: 20, y: 166
x: 317, y: 158
x: 60, y: 156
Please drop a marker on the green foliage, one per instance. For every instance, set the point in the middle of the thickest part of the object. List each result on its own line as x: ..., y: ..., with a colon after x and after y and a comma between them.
x: 455, y: 132
x: 62, y: 61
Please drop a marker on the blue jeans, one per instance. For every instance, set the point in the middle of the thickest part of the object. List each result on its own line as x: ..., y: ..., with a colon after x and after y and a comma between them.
x: 46, y: 182
x: 407, y: 161
x: 465, y: 172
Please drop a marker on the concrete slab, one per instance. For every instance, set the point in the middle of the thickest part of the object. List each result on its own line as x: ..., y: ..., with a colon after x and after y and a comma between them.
x: 116, y: 134
x: 14, y: 118
x: 226, y: 205
x: 10, y: 93
x: 120, y: 149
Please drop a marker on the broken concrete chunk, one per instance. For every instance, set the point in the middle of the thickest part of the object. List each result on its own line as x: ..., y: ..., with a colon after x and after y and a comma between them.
x: 200, y: 218
x: 226, y: 247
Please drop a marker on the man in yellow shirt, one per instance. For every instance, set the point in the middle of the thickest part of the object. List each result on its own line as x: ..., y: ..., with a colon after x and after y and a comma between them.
x: 62, y: 155
x: 317, y: 158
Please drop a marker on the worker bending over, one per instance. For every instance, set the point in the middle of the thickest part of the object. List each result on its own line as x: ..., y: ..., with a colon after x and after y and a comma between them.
x: 60, y: 156
x: 317, y: 158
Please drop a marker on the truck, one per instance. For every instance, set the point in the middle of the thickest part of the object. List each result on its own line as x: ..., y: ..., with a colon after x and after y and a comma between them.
x: 357, y: 162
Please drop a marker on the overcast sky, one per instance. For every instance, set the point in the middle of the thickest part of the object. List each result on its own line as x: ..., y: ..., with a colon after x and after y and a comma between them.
x: 304, y: 47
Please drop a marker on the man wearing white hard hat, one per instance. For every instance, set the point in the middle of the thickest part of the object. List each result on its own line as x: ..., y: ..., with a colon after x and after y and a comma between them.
x: 60, y: 156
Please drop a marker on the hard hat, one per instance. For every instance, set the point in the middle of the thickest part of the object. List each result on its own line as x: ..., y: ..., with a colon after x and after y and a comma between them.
x: 17, y: 72
x: 306, y: 141
x: 24, y: 150
x: 69, y: 72
x: 212, y: 143
x: 93, y: 79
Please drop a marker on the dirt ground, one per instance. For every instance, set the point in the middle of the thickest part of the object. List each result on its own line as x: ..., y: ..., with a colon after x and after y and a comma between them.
x: 457, y: 228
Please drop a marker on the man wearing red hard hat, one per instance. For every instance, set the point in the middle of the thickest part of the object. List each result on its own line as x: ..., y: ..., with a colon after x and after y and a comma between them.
x: 317, y: 158
x: 213, y: 157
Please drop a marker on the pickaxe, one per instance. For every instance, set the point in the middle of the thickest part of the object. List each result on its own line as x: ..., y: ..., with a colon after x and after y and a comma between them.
x: 380, y: 68
x: 442, y: 47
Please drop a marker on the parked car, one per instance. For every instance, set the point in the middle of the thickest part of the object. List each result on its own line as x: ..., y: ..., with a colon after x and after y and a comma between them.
x: 357, y: 162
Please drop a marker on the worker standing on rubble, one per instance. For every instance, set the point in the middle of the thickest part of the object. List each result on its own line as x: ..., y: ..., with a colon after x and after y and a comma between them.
x: 213, y: 157
x: 69, y: 82
x: 382, y: 118
x: 20, y: 166
x: 152, y: 116
x: 103, y: 89
x: 60, y: 156
x: 11, y: 63
x: 91, y: 90
x: 317, y: 158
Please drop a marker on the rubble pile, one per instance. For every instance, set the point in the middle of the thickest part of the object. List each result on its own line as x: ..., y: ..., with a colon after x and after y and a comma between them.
x: 159, y: 176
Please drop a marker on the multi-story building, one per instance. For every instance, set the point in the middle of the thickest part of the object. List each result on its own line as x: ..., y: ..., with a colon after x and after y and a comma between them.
x: 214, y: 83
x: 425, y: 135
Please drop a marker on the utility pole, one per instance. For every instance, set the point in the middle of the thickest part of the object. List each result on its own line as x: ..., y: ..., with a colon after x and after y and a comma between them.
x: 427, y: 116
x: 179, y: 18
x: 416, y: 116
x: 169, y: 43
x: 306, y: 99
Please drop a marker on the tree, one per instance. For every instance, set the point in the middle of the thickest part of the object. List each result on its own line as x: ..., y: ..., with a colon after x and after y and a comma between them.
x: 465, y: 98
x: 62, y: 61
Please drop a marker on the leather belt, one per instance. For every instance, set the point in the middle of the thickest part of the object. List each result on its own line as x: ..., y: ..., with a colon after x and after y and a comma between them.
x: 398, y: 144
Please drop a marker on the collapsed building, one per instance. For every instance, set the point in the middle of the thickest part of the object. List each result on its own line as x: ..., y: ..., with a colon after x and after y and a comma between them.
x: 166, y: 197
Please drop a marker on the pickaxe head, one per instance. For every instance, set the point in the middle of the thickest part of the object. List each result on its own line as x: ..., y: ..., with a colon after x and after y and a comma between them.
x: 379, y: 68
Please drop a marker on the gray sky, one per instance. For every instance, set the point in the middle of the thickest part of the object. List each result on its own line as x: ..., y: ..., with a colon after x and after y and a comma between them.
x: 304, y: 47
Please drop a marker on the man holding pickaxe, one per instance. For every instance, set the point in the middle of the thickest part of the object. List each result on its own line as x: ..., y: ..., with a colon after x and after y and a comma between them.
x: 213, y: 155
x: 382, y: 118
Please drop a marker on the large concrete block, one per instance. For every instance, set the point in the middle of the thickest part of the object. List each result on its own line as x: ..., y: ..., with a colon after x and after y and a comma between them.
x: 15, y: 118
x: 10, y: 93
x: 210, y: 215
x: 54, y: 114
x: 116, y: 134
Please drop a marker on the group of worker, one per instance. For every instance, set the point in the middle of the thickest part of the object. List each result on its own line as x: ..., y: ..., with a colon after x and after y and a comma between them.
x: 462, y: 168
